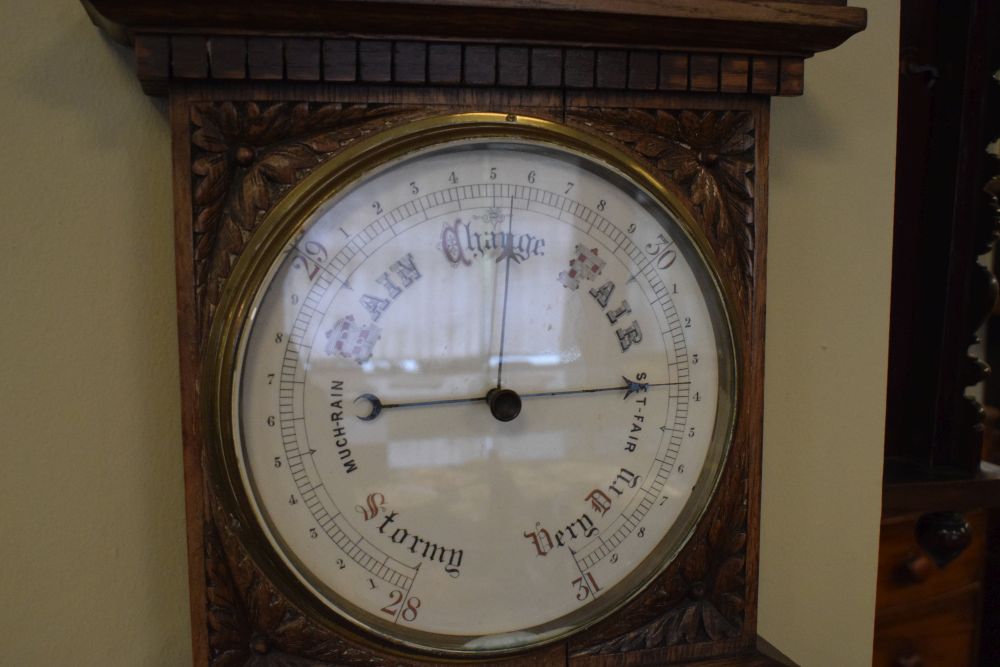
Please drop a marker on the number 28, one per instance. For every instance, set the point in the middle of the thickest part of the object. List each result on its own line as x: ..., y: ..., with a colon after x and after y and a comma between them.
x: 409, y: 612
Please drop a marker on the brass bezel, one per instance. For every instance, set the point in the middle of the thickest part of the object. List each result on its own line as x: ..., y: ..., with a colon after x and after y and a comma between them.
x: 281, y: 225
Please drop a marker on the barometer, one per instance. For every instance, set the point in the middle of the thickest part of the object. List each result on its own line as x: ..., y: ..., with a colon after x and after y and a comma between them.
x: 473, y: 384
x: 471, y: 304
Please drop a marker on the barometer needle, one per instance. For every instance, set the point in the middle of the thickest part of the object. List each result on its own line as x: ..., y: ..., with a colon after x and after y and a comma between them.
x: 508, y: 252
x: 630, y: 387
x: 377, y: 406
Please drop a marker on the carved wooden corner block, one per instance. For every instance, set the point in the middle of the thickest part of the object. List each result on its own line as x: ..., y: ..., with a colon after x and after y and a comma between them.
x: 700, y: 598
x: 245, y: 156
x: 251, y: 623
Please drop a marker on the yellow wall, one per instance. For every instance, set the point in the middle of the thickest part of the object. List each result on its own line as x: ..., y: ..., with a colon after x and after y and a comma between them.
x: 832, y: 172
x: 92, y: 568
x: 91, y: 500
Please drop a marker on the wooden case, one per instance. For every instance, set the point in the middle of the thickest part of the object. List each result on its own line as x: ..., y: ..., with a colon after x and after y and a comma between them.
x: 261, y: 94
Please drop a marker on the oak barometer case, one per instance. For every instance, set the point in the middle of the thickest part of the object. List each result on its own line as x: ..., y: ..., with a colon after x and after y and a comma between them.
x: 471, y: 306
x: 471, y: 384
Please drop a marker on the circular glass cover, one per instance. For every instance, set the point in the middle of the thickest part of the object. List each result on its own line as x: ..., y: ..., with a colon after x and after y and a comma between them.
x: 481, y: 392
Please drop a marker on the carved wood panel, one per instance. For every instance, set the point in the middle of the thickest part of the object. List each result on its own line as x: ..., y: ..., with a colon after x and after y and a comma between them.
x: 245, y: 156
x: 251, y: 623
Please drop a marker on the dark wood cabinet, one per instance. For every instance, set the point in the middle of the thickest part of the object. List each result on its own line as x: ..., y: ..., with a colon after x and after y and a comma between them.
x: 939, y: 633
x: 927, y: 611
x: 937, y: 595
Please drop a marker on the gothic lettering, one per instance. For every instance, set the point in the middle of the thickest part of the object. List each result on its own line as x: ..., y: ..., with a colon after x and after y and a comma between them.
x: 406, y: 273
x: 449, y: 557
x: 599, y: 501
x: 541, y: 540
x: 603, y: 293
x: 580, y: 528
x: 613, y: 315
x: 460, y: 244
x: 374, y: 305
x: 629, y: 335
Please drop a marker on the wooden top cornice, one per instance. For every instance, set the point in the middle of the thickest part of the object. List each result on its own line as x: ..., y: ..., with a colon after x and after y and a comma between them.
x: 723, y: 46
x: 776, y: 27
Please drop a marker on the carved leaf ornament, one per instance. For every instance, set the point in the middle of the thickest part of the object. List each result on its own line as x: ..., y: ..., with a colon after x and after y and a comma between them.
x: 707, y: 591
x: 251, y: 624
x: 245, y: 157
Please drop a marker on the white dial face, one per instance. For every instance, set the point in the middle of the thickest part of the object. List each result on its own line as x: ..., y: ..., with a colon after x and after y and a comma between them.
x: 477, y: 391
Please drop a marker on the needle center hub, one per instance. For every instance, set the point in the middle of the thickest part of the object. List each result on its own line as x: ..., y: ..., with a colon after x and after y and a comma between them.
x: 504, y: 404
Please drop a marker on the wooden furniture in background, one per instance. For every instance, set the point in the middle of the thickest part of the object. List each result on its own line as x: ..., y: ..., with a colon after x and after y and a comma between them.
x: 927, y: 606
x: 938, y: 595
